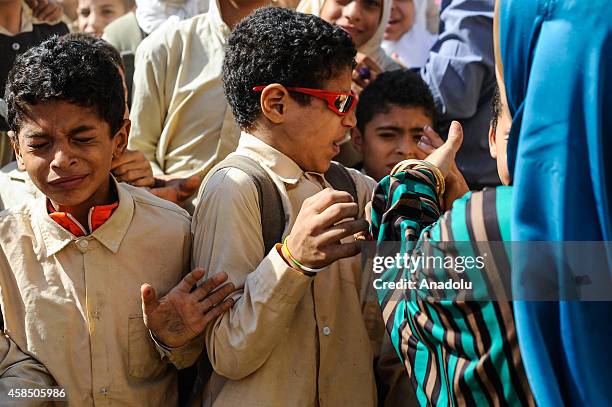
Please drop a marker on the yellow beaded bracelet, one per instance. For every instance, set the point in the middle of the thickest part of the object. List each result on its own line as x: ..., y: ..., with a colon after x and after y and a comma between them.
x: 287, y: 253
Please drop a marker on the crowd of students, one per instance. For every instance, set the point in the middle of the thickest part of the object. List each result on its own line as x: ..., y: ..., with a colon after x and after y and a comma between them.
x: 176, y: 228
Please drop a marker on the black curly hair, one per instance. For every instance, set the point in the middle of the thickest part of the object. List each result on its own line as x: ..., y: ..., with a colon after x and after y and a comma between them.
x: 72, y: 70
x: 402, y: 88
x: 277, y: 45
x: 104, y: 46
x: 496, y: 108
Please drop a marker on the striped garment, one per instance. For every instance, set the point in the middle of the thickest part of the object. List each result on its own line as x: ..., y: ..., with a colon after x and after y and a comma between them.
x: 456, y: 352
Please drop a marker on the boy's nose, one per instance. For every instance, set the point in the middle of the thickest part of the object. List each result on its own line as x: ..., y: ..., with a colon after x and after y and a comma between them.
x: 350, y: 120
x: 62, y: 158
x: 92, y: 24
x: 405, y: 148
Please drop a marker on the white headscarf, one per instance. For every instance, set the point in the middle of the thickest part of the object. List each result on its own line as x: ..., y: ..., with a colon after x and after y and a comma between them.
x: 413, y: 47
x: 372, y: 47
x: 150, y: 14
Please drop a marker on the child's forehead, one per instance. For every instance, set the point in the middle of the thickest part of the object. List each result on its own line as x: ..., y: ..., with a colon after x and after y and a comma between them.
x: 403, y: 115
x: 56, y: 117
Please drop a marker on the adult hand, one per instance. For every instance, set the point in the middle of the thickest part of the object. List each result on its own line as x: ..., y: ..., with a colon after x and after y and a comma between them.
x: 176, y: 190
x: 365, y: 72
x: 442, y: 154
x: 45, y: 10
x: 324, y: 219
x: 182, y: 314
x: 133, y: 167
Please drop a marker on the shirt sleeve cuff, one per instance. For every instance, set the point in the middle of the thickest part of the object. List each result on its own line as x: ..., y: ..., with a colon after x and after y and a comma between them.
x: 182, y: 356
x: 275, y: 280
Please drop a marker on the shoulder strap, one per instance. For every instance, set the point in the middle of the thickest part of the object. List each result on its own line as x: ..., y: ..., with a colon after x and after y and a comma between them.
x: 270, y: 202
x: 339, y: 178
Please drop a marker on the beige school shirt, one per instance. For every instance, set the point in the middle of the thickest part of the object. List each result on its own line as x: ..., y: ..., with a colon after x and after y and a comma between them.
x: 74, y: 303
x: 290, y: 339
x: 180, y: 118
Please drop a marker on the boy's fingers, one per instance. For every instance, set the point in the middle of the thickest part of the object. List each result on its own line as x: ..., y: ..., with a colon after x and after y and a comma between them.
x: 426, y: 148
x: 434, y: 138
x: 209, y: 285
x: 344, y: 250
x: 337, y: 212
x: 326, y: 198
x: 149, y: 298
x: 216, y: 297
x: 126, y: 167
x: 143, y: 182
x: 344, y: 229
x: 190, y: 280
x: 218, y: 310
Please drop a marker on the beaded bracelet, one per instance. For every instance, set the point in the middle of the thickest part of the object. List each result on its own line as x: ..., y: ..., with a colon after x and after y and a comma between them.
x: 300, y: 266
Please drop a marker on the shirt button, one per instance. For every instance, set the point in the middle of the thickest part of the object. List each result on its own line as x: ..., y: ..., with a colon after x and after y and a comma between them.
x: 83, y: 243
x: 16, y: 46
x: 326, y: 331
x: 104, y: 391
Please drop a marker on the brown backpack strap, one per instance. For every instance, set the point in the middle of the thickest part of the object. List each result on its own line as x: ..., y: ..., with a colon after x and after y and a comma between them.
x: 339, y: 178
x: 270, y: 202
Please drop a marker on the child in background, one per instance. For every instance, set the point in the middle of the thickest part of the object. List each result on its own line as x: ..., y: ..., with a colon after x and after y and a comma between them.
x: 393, y: 114
x: 95, y: 15
x: 364, y: 21
x: 406, y: 37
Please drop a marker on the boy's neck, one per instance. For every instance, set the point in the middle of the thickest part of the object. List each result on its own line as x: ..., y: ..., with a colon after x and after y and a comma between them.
x: 10, y: 16
x: 272, y: 140
x: 106, y: 195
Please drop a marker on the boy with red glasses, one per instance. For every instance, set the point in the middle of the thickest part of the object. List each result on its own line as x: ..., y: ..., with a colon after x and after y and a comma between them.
x: 295, y: 335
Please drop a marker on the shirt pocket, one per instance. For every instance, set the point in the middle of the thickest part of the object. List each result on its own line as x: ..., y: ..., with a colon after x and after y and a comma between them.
x: 143, y: 359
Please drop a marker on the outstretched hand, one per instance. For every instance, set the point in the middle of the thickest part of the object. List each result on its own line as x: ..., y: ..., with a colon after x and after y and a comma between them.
x: 442, y: 154
x: 182, y: 314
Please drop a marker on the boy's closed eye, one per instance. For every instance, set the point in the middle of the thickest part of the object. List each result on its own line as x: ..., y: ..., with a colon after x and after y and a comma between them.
x: 84, y: 140
x: 387, y: 135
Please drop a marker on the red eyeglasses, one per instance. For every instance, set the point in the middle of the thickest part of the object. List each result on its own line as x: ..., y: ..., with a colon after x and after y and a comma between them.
x: 340, y: 103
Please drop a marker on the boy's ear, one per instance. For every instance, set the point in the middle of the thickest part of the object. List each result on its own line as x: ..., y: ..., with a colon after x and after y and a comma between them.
x: 273, y: 102
x: 492, y: 145
x: 120, y: 139
x: 15, y: 143
x: 357, y: 139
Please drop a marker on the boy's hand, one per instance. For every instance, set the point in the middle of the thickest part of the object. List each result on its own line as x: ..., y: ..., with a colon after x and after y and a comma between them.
x: 182, y: 314
x: 133, y: 167
x: 315, y: 237
x: 365, y: 72
x: 442, y: 154
x: 45, y: 10
x: 176, y: 190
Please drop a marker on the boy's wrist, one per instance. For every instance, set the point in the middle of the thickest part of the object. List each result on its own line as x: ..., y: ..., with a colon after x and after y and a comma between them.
x: 280, y: 249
